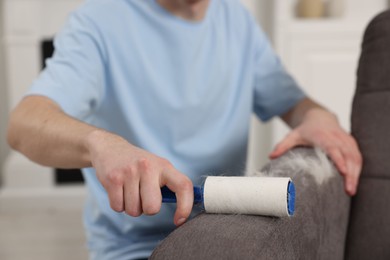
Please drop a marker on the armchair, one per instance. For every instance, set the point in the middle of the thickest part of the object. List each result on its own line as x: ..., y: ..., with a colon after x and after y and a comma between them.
x: 327, y: 224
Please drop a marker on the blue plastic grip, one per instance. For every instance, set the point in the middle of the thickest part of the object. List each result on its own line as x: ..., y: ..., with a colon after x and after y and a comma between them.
x: 291, y: 198
x: 169, y: 196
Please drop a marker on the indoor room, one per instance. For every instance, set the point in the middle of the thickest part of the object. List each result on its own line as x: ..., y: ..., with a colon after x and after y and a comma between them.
x: 323, y: 48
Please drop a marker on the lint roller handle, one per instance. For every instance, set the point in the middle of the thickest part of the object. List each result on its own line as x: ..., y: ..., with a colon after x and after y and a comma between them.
x: 169, y: 196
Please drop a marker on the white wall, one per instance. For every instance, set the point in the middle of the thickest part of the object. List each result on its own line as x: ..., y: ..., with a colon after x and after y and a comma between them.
x: 263, y: 11
x: 27, y: 22
x: 3, y: 98
x: 260, y: 134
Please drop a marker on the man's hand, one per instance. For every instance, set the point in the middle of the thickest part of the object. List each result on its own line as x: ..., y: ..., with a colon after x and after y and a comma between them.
x: 318, y: 127
x: 132, y: 177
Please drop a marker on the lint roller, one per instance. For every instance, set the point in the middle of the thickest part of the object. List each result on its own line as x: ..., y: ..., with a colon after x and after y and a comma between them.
x: 265, y: 196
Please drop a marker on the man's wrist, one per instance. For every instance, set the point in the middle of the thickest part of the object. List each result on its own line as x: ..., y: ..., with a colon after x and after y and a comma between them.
x: 301, y: 112
x: 97, y: 140
x: 320, y: 113
x: 93, y: 140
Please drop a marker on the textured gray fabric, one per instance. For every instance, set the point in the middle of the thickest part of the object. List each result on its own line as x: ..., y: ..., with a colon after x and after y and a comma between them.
x: 369, y: 233
x: 371, y: 127
x: 369, y: 229
x: 316, y: 231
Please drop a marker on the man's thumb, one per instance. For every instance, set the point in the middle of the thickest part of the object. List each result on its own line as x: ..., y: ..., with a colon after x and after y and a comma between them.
x: 290, y: 141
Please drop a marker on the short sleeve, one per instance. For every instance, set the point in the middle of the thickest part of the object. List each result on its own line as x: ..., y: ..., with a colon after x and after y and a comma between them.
x: 74, y: 76
x: 276, y: 91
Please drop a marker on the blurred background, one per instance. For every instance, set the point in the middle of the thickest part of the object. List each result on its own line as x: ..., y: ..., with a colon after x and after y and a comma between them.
x: 40, y: 208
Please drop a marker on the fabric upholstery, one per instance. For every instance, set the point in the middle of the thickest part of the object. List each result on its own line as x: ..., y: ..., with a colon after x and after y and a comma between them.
x: 369, y: 229
x: 316, y: 231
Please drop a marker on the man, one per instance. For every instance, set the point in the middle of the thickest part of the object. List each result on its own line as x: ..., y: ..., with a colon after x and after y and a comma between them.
x: 143, y: 94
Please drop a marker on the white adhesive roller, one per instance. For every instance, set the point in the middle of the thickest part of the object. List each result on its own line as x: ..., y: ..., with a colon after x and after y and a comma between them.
x: 267, y: 196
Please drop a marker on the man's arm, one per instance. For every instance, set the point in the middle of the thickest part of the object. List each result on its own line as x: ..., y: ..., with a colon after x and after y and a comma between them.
x: 315, y: 126
x: 132, y: 177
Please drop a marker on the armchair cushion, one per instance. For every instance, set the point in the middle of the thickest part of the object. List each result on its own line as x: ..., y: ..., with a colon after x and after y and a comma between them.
x: 369, y: 229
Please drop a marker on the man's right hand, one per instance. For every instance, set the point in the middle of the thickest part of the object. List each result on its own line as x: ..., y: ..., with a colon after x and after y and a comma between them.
x: 39, y: 129
x: 133, y: 177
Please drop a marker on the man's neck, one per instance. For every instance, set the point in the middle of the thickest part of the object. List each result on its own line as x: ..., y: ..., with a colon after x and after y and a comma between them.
x: 193, y: 10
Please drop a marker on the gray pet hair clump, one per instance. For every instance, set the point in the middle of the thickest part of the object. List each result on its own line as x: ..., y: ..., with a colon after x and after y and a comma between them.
x: 316, y: 231
x: 316, y: 164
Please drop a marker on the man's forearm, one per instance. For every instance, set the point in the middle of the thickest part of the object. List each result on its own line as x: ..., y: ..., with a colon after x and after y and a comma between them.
x: 295, y: 116
x: 131, y: 176
x: 40, y: 130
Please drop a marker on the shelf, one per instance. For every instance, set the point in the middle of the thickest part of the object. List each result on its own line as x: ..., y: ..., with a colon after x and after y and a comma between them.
x: 335, y: 25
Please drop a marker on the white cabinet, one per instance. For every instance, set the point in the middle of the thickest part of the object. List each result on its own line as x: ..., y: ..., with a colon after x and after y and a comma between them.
x: 322, y: 54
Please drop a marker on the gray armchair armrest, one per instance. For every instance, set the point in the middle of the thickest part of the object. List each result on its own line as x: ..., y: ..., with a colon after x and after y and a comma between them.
x: 316, y: 231
x: 369, y: 229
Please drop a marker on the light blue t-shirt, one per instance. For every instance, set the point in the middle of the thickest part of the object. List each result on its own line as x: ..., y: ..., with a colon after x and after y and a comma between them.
x: 180, y: 89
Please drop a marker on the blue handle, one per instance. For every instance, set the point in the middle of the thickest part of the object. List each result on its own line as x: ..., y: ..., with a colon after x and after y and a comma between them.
x: 291, y: 198
x: 170, y: 197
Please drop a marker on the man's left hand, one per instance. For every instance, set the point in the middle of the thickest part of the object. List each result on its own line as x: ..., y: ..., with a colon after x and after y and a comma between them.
x: 320, y: 128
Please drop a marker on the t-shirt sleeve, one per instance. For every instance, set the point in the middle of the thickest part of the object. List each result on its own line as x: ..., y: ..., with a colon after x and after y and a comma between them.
x: 74, y: 76
x: 276, y: 91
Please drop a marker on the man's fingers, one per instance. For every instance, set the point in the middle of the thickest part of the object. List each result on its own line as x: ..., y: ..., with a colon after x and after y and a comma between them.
x: 150, y: 188
x: 131, y: 195
x: 354, y: 164
x: 182, y: 186
x: 351, y: 179
x: 348, y: 161
x: 290, y: 141
x: 337, y: 157
x: 353, y: 160
x: 114, y: 188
